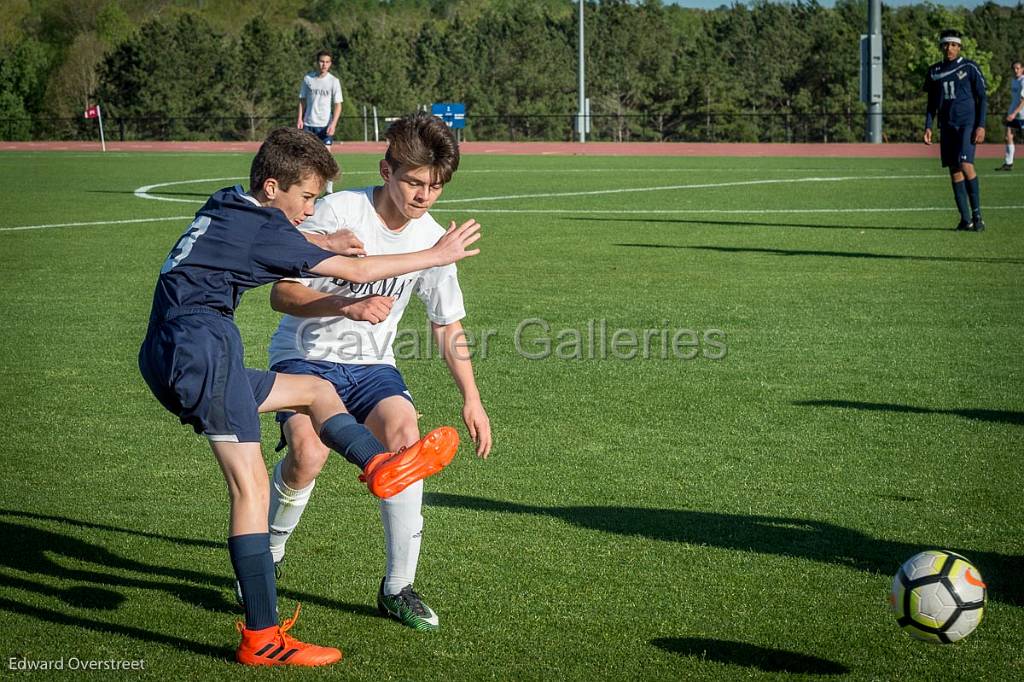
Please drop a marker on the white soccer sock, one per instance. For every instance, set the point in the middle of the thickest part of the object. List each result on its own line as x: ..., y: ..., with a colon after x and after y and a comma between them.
x: 1009, y: 155
x: 403, y: 533
x: 286, y: 507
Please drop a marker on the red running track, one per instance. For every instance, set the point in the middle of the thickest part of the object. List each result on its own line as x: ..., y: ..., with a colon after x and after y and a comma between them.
x: 902, y: 150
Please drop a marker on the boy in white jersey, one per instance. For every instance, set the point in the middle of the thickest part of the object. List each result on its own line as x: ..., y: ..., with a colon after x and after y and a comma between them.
x: 343, y: 332
x: 1015, y: 114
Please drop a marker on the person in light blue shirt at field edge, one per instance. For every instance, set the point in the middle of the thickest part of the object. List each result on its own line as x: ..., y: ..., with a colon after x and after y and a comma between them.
x: 957, y: 99
x: 1015, y: 116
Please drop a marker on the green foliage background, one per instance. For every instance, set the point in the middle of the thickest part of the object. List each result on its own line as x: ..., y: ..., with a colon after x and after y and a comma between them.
x: 188, y: 69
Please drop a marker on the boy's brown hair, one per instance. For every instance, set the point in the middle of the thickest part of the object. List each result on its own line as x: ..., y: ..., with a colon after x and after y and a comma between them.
x: 419, y: 140
x: 288, y: 155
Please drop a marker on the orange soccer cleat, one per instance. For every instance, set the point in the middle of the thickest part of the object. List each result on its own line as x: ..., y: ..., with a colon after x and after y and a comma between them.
x: 272, y: 646
x: 388, y: 474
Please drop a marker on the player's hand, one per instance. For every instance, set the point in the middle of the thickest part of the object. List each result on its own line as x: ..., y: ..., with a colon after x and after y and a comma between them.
x: 299, y: 125
x: 475, y: 417
x: 345, y: 243
x: 452, y: 246
x: 927, y: 135
x: 979, y: 136
x: 372, y: 309
x: 330, y: 130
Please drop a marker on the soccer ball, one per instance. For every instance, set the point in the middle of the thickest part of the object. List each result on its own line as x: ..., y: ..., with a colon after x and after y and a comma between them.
x: 938, y: 596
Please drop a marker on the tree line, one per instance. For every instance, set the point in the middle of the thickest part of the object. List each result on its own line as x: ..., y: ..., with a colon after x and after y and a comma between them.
x: 762, y: 71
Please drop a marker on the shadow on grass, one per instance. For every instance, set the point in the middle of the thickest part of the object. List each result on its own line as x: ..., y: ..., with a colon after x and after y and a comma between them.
x: 781, y: 536
x: 997, y: 416
x: 750, y: 656
x: 758, y: 223
x: 101, y: 575
x: 60, y: 618
x: 829, y: 254
x: 193, y: 542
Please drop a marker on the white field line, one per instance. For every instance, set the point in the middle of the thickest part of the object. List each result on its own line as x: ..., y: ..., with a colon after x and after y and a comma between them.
x: 609, y: 211
x: 666, y: 169
x: 712, y: 211
x: 706, y: 185
x: 98, y: 222
x: 144, y: 193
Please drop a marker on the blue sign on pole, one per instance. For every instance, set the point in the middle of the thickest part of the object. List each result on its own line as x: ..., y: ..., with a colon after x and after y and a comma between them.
x: 452, y: 113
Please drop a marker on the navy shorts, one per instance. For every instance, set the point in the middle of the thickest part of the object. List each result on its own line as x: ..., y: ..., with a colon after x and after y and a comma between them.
x: 360, y: 387
x: 321, y: 132
x: 193, y: 365
x: 956, y: 146
x: 1016, y: 124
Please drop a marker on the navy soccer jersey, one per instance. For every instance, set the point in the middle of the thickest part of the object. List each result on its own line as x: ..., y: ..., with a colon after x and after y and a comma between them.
x: 233, y: 245
x: 192, y: 356
x: 956, y: 95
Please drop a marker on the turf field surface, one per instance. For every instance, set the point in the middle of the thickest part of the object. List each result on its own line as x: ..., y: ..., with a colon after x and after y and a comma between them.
x: 642, y: 516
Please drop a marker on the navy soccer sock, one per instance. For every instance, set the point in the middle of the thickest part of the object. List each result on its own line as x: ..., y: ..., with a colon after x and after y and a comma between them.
x: 254, y: 568
x: 343, y: 434
x: 974, y: 194
x: 962, y: 202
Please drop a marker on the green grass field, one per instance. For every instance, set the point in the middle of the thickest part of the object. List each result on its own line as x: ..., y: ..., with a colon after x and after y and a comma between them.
x: 640, y: 518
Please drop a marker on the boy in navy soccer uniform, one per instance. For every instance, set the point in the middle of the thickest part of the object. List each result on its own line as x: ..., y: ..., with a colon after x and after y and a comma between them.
x: 957, y: 98
x: 192, y: 357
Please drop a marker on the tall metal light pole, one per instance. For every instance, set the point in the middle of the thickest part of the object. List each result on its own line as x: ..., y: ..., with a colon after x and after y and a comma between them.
x: 581, y: 112
x: 871, y: 71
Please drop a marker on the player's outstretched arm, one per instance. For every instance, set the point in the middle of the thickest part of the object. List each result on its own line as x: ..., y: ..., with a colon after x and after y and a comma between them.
x: 343, y: 242
x: 451, y: 339
x: 336, y: 114
x: 298, y: 300
x: 1016, y: 112
x: 451, y: 247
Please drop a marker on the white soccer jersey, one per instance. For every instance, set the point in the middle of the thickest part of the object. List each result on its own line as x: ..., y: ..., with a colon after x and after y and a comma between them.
x: 1016, y: 93
x: 320, y: 95
x: 338, y: 339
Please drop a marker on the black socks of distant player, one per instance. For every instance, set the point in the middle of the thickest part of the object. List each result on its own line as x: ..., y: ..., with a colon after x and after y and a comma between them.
x: 352, y: 440
x: 254, y: 568
x: 962, y: 202
x: 974, y: 195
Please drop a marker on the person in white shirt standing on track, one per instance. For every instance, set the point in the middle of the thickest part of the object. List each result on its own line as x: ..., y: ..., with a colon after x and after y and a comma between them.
x: 320, y: 102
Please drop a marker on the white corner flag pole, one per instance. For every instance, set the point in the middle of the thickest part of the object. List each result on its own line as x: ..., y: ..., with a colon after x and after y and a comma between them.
x: 99, y: 117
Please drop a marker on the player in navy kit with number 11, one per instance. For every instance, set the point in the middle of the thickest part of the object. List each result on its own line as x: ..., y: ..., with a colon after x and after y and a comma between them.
x: 957, y: 99
x: 192, y: 360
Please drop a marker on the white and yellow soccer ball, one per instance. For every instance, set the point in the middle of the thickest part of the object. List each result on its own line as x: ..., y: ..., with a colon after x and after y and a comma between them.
x: 938, y: 596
